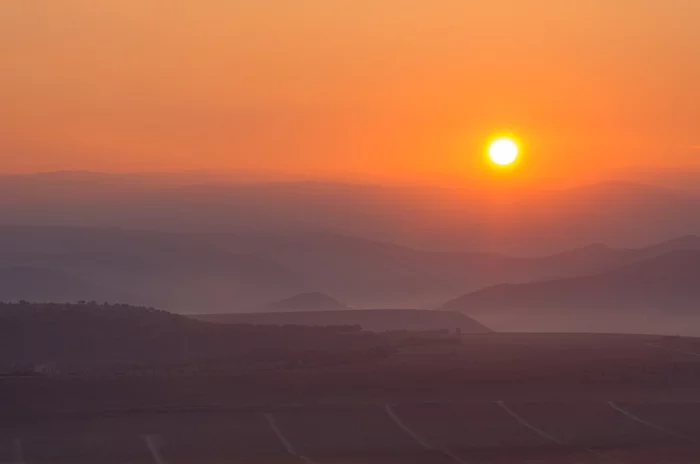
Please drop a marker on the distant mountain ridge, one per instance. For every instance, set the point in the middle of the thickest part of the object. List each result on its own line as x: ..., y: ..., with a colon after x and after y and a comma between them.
x: 172, y: 271
x: 235, y: 272
x: 528, y: 222
x: 667, y: 283
x: 597, y: 258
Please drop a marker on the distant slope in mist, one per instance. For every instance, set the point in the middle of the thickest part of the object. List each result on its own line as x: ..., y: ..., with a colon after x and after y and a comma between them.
x: 678, y: 177
x: 597, y: 258
x: 527, y: 222
x: 45, y: 285
x: 619, y: 214
x: 367, y: 273
x: 167, y: 270
x: 369, y: 319
x: 312, y: 301
x: 236, y: 272
x: 667, y: 283
x: 660, y: 294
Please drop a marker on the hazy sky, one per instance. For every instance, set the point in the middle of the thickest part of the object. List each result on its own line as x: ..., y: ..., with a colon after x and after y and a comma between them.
x: 384, y: 87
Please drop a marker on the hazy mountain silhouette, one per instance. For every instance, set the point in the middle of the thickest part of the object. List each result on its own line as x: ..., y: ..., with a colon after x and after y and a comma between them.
x: 45, y: 285
x: 653, y: 291
x: 366, y: 272
x: 236, y: 272
x: 312, y: 301
x: 679, y: 177
x: 666, y: 283
x: 447, y: 219
x: 618, y: 214
x: 369, y: 319
x: 165, y: 270
x: 363, y: 272
x: 598, y: 258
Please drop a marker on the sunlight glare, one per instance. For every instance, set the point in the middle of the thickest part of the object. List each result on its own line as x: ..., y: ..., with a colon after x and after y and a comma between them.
x: 503, y: 151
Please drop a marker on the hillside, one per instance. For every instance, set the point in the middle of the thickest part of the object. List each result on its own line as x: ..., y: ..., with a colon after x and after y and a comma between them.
x: 378, y: 320
x: 645, y: 296
x: 314, y: 301
x: 117, y: 338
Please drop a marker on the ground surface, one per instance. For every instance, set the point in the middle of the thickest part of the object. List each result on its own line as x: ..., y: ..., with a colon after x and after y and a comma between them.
x: 493, y: 399
x: 497, y: 432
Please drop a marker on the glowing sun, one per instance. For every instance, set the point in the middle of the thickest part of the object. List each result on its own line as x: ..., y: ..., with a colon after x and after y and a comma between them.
x: 503, y: 151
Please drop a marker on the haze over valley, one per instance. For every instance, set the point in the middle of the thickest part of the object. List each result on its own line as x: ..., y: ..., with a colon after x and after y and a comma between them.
x: 194, y: 245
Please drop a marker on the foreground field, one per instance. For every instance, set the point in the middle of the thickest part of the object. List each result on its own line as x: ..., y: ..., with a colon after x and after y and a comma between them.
x: 463, y: 433
x: 493, y: 398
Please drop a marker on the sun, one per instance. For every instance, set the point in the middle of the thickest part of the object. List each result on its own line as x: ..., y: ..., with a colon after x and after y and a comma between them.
x: 503, y: 151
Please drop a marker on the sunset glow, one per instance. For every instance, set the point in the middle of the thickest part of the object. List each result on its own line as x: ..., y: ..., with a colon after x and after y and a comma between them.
x: 339, y: 88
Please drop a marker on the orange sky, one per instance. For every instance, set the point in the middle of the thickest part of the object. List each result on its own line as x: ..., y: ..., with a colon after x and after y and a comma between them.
x: 396, y: 88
